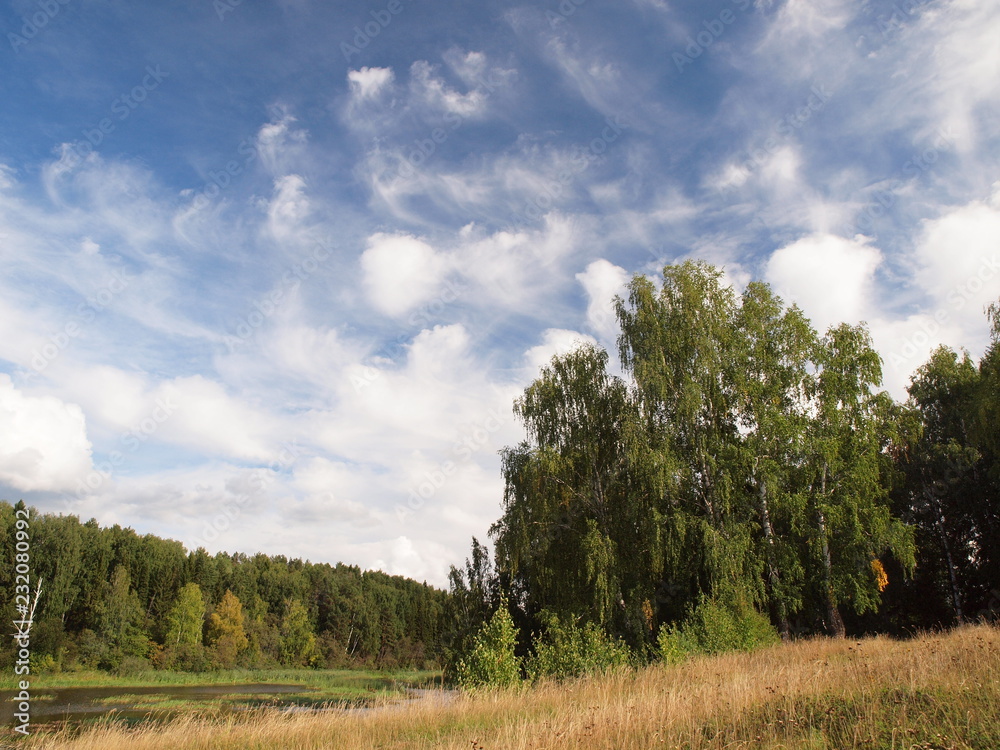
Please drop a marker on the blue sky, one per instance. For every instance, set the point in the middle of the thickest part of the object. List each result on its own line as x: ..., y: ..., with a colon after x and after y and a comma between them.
x: 273, y: 272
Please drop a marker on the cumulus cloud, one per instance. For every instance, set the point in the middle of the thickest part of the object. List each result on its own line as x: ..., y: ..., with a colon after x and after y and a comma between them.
x: 603, y: 281
x: 555, y: 341
x: 958, y: 257
x: 956, y: 266
x: 201, y: 414
x: 43, y: 441
x: 829, y: 277
x: 400, y: 272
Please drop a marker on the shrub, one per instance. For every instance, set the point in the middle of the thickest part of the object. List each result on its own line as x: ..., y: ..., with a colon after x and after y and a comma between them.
x: 568, y: 650
x: 491, y: 662
x: 130, y: 666
x: 714, y: 628
x: 182, y: 657
x: 44, y: 663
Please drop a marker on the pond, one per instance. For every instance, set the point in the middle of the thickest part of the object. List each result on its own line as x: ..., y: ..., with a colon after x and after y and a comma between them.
x: 76, y: 705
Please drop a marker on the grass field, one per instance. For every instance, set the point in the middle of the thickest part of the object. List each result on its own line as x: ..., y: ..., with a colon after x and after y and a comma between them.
x: 936, y: 692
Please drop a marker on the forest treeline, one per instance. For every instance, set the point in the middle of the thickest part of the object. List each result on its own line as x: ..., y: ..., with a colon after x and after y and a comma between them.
x: 744, y: 475
x: 744, y: 478
x: 114, y: 600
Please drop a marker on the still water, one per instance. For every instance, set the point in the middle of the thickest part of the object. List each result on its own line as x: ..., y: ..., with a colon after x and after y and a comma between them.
x: 133, y: 704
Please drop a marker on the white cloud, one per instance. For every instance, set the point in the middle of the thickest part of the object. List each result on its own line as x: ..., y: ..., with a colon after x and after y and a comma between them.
x: 403, y: 556
x: 829, y: 277
x: 956, y: 266
x: 43, y: 441
x: 89, y: 247
x: 401, y: 272
x: 289, y: 208
x: 811, y: 18
x: 946, y: 70
x: 202, y: 415
x: 113, y: 399
x: 603, y: 281
x: 958, y: 257
x: 469, y: 66
x: 434, y: 93
x: 280, y: 145
x: 555, y: 341
x: 329, y: 489
x: 799, y: 28
x: 367, y: 83
x: 600, y: 83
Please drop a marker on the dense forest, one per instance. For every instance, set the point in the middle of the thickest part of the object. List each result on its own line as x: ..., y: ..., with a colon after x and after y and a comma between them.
x: 747, y: 474
x: 114, y: 600
x: 745, y: 479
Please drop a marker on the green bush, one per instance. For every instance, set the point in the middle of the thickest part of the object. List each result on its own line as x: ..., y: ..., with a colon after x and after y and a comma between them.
x: 491, y: 662
x: 714, y: 628
x: 131, y: 666
x: 183, y: 657
x: 568, y: 650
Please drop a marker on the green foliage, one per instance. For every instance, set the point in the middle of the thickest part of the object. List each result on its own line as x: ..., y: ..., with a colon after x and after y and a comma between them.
x: 491, y: 662
x: 950, y: 478
x: 574, y: 502
x: 183, y: 657
x: 298, y: 642
x: 110, y: 594
x: 472, y: 597
x: 748, y: 461
x: 565, y: 649
x: 714, y: 628
x: 187, y: 617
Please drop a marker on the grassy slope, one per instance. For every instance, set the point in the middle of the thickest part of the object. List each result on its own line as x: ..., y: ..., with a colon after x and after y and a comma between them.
x: 939, y: 691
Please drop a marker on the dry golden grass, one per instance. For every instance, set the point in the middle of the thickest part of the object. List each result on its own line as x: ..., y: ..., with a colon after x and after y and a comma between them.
x: 934, y: 692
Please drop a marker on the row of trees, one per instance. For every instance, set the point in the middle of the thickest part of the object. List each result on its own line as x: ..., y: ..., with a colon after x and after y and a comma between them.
x: 112, y: 599
x: 745, y: 471
x: 747, y: 464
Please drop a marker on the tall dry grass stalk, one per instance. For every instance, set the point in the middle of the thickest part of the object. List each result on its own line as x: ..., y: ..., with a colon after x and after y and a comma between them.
x: 934, y: 692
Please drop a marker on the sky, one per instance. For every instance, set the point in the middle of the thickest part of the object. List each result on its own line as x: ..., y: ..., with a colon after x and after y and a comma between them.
x: 274, y: 271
